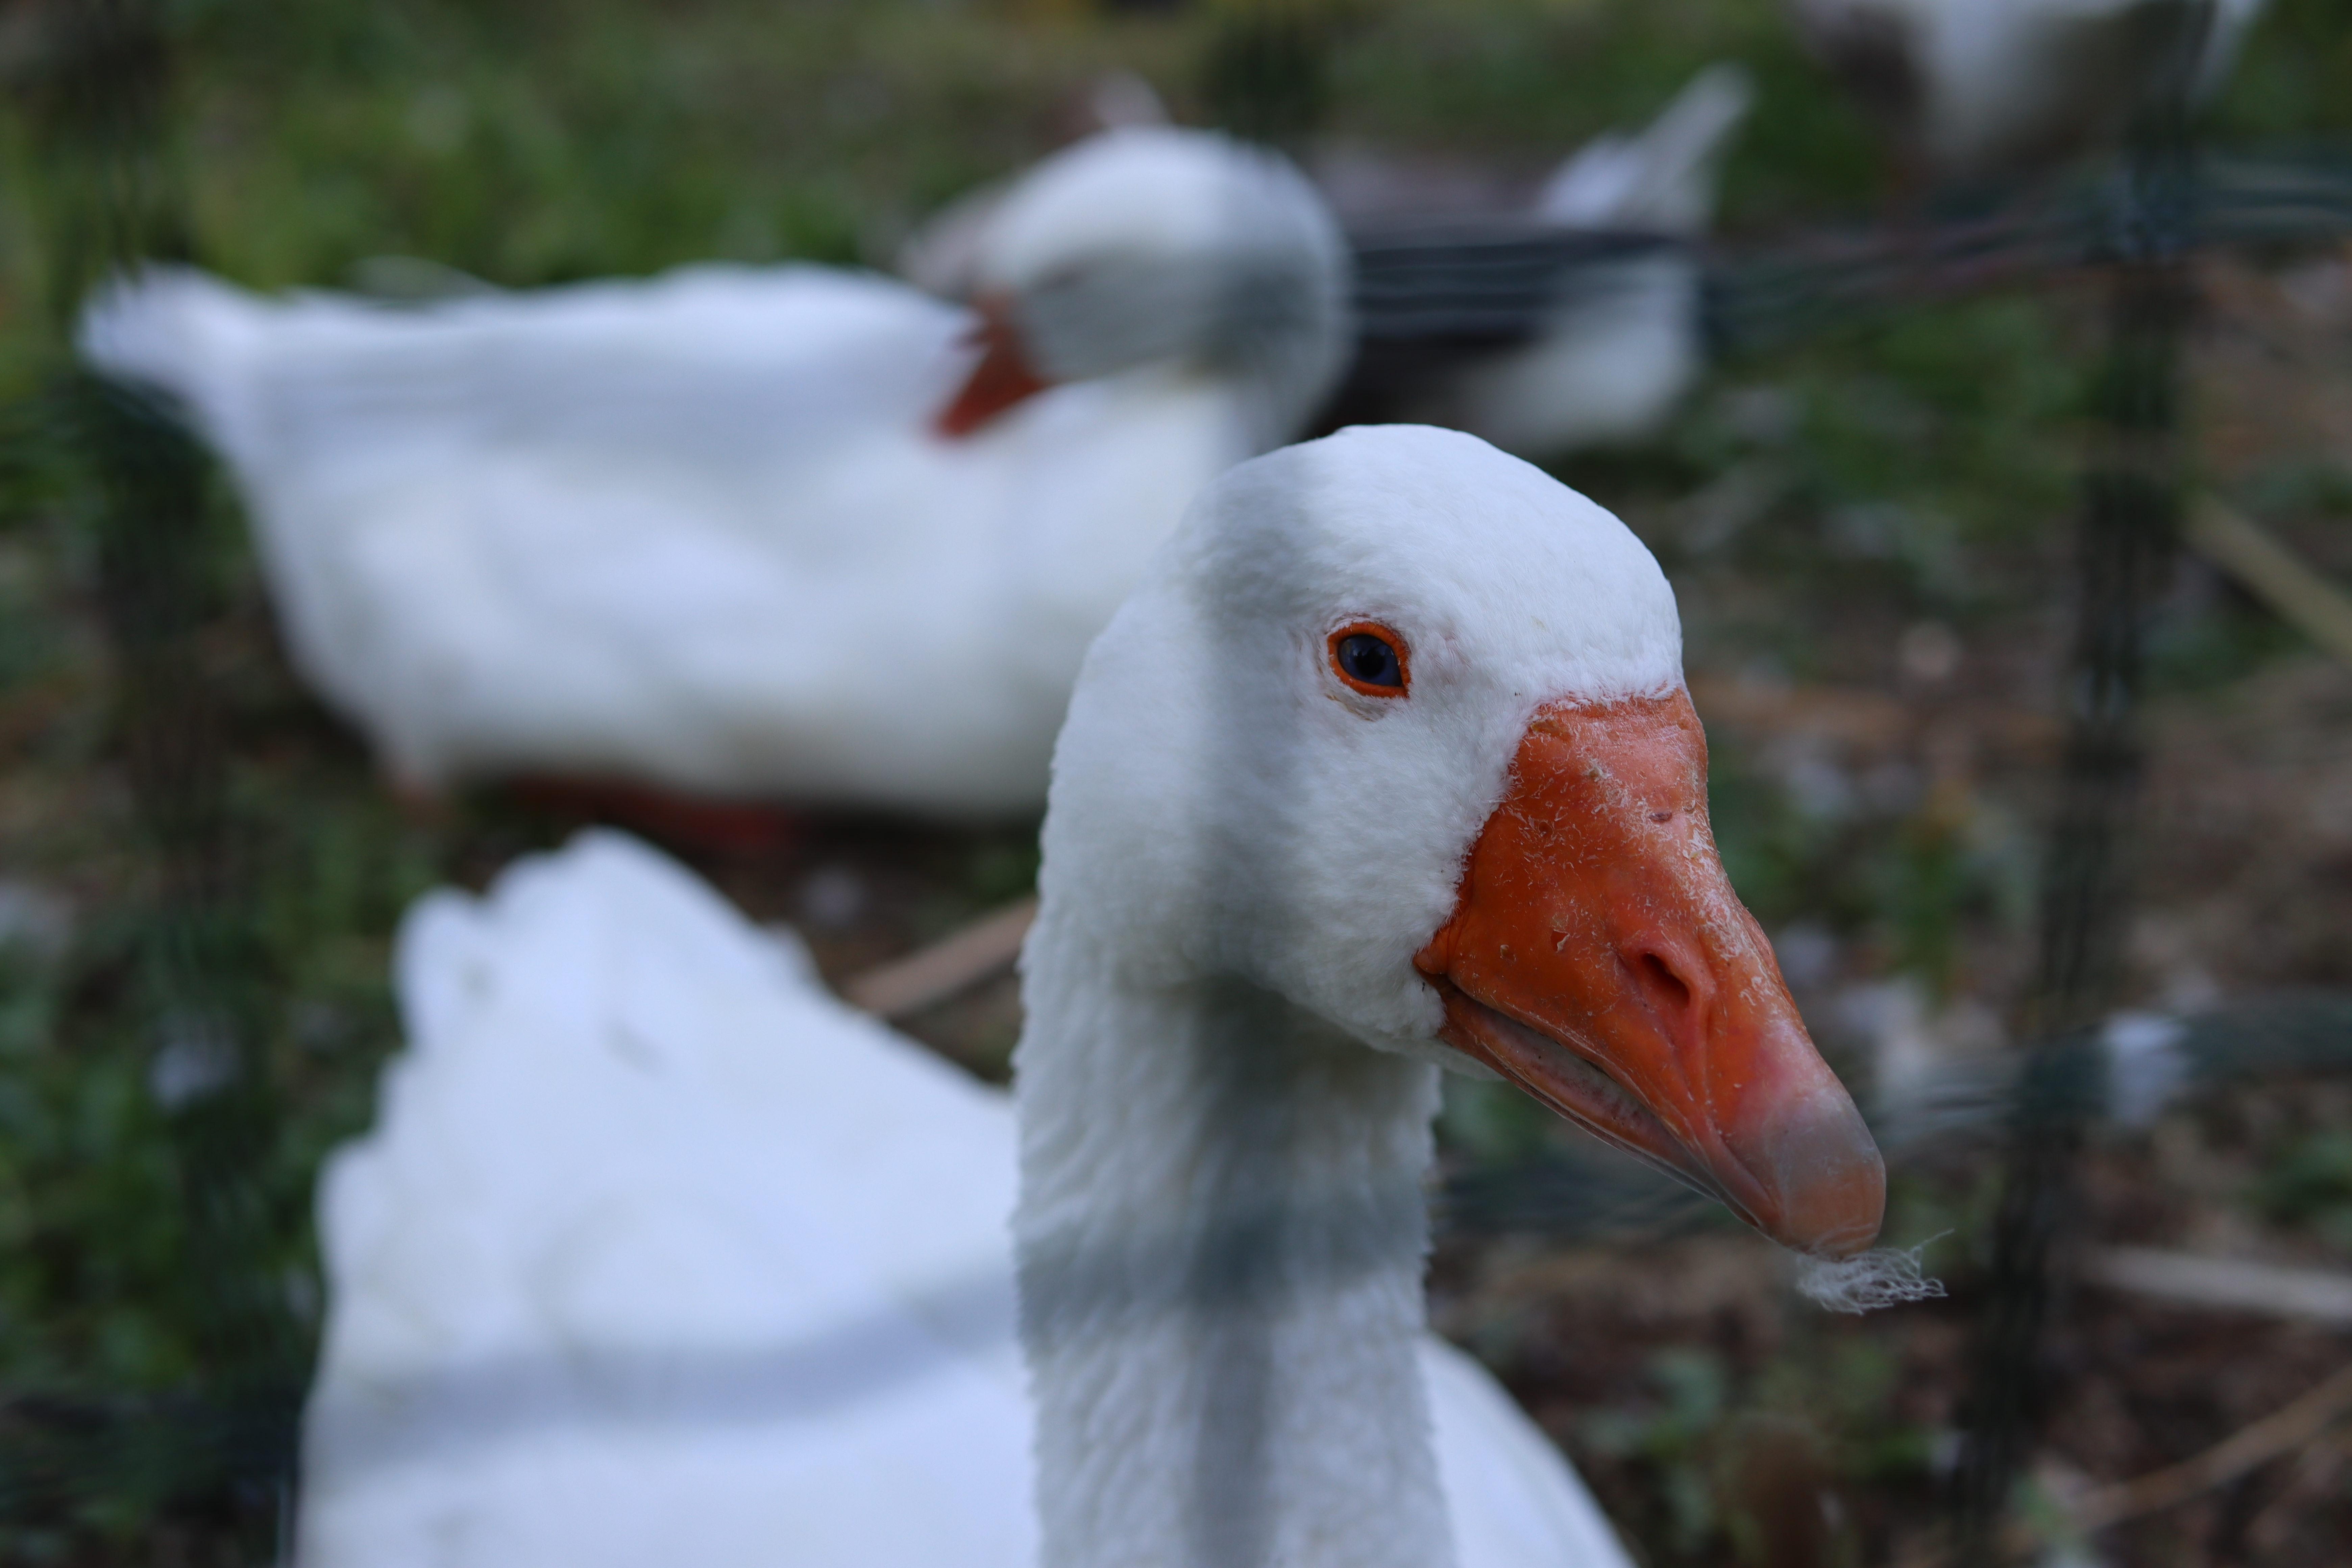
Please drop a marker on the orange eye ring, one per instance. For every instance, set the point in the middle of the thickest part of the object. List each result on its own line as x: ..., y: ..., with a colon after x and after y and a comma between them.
x: 1370, y: 658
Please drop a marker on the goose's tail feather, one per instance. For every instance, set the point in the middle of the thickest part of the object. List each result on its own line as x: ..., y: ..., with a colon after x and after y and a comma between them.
x: 1663, y: 177
x: 177, y: 331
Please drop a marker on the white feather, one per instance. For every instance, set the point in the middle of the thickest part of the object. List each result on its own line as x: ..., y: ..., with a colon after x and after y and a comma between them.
x: 1985, y: 86
x: 700, y: 531
x: 660, y: 1254
x: 1621, y: 343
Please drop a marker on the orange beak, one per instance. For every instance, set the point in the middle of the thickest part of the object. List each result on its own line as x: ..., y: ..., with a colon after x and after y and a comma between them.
x: 1001, y: 378
x: 1598, y: 958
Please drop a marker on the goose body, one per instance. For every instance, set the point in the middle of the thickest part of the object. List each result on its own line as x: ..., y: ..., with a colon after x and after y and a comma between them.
x: 723, y: 530
x: 1622, y: 342
x: 1384, y: 767
x: 1987, y: 87
x: 661, y: 1254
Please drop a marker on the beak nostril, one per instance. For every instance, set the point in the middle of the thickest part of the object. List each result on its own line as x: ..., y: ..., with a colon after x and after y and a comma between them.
x: 1668, y: 990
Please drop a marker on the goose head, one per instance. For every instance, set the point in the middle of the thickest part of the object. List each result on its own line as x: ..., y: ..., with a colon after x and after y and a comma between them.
x: 1150, y: 245
x: 1396, y: 728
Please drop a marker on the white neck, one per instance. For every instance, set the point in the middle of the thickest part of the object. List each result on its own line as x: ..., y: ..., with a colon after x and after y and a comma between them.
x: 1221, y: 1234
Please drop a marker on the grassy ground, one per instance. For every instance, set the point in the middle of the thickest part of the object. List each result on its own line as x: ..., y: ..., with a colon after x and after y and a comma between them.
x: 199, y: 875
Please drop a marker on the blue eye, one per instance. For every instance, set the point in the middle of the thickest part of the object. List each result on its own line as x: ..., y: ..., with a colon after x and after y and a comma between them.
x: 1365, y: 658
x: 1371, y: 659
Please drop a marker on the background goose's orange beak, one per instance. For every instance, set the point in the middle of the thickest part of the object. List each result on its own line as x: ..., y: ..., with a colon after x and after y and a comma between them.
x: 1000, y: 378
x: 1598, y: 958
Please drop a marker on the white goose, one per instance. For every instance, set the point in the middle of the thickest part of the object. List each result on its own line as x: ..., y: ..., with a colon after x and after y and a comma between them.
x: 1623, y: 343
x: 659, y: 1254
x: 789, y: 533
x: 1987, y: 86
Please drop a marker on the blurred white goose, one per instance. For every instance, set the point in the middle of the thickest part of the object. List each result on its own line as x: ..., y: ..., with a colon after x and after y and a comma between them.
x: 1987, y: 87
x: 659, y: 1254
x: 942, y: 256
x: 1623, y: 343
x: 790, y: 533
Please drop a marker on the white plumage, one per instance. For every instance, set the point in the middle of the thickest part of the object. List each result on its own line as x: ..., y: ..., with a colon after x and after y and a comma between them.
x: 1623, y: 343
x: 660, y: 1254
x: 703, y: 532
x: 1984, y: 86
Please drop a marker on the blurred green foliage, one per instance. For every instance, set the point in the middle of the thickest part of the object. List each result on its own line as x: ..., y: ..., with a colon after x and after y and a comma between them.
x: 1672, y: 1436
x: 1752, y: 1471
x: 2309, y: 1182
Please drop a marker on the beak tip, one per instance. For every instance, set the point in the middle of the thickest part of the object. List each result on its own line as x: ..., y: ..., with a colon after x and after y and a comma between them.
x: 1825, y: 1175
